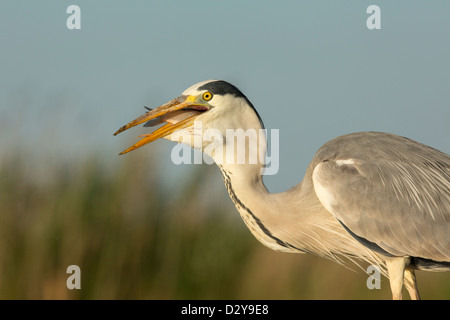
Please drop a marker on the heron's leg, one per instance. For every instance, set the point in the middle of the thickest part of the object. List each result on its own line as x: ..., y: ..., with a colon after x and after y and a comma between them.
x: 411, y: 284
x: 396, y: 270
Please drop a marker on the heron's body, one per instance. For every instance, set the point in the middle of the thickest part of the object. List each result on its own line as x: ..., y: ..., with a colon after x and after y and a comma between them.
x: 347, y: 186
x: 381, y: 187
x: 369, y: 196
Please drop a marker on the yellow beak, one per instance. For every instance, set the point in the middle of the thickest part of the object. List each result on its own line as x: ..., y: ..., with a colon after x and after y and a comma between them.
x: 179, y: 113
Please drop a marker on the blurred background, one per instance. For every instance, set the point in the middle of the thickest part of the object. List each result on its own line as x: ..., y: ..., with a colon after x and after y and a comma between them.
x: 140, y: 227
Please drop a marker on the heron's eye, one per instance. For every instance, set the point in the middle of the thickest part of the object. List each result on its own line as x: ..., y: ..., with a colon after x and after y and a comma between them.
x: 207, y: 96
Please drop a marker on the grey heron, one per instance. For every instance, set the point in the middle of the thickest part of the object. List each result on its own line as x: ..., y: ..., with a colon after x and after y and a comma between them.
x: 368, y: 196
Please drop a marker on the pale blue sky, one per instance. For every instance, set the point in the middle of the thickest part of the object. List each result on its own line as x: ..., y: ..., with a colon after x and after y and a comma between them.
x: 311, y: 68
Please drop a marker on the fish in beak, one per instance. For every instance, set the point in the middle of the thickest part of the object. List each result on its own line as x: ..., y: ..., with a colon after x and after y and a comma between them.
x: 178, y: 114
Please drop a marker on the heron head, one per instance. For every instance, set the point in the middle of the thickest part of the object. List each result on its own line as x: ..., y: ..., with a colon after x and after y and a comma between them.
x: 208, y: 106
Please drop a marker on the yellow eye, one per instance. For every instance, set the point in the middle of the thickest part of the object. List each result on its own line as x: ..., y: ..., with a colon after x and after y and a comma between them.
x: 207, y: 96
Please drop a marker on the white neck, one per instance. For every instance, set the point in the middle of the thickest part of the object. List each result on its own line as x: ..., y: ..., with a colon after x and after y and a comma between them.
x: 258, y: 208
x: 250, y: 196
x: 290, y: 221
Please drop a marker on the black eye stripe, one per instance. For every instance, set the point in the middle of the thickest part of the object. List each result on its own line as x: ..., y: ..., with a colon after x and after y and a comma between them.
x: 222, y: 88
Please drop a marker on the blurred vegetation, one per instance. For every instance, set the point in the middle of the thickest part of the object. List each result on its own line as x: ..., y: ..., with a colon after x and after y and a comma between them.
x: 133, y: 240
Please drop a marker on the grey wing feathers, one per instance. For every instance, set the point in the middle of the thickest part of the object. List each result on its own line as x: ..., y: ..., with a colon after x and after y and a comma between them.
x: 388, y: 190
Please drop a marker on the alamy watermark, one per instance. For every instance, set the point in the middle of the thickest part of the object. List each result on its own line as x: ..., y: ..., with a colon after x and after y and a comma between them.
x: 236, y: 146
x: 73, y: 22
x: 374, y: 280
x: 74, y: 280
